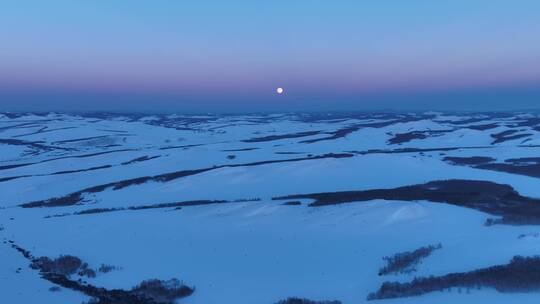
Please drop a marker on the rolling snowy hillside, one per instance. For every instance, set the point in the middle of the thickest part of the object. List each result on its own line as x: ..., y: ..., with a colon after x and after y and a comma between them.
x: 250, y: 209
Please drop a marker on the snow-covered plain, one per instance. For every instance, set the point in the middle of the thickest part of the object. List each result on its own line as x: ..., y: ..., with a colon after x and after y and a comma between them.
x: 254, y: 249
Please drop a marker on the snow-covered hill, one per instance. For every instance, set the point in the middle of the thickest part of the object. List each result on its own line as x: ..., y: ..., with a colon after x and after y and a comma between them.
x: 254, y: 209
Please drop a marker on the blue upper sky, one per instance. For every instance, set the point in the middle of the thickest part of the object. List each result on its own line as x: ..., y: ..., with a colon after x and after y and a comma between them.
x: 231, y: 55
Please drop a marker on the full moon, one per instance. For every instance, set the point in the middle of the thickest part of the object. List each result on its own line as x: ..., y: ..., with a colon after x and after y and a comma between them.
x: 279, y: 90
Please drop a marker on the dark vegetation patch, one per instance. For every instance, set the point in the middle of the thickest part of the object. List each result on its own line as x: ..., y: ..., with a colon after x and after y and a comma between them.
x: 65, y: 265
x: 76, y: 197
x: 190, y: 123
x: 176, y: 205
x: 292, y: 203
x: 5, y: 179
x: 406, y: 262
x: 400, y: 138
x: 239, y: 150
x: 148, y: 292
x: 64, y: 157
x: 43, y: 130
x: 6, y: 167
x: 473, y: 160
x: 518, y: 136
x: 528, y: 170
x: 113, y: 131
x: 179, y: 204
x: 80, y: 170
x: 59, y: 272
x: 524, y: 161
x: 355, y: 127
x: 506, y: 136
x: 483, y: 127
x: 78, y: 139
x: 514, y: 219
x: 528, y: 166
x: 181, y: 147
x: 521, y: 274
x: 294, y: 300
x: 36, y: 145
x: 492, y: 198
x: 140, y: 159
x: 281, y: 136
x: 20, y: 126
x: 289, y: 153
x: 415, y: 150
x: 535, y: 235
x: 406, y: 137
x: 109, y: 146
x: 334, y: 135
x: 158, y: 291
x: 104, y: 268
x: 245, y: 200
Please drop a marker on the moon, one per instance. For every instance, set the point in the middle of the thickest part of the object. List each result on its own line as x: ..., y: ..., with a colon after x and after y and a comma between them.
x: 279, y: 90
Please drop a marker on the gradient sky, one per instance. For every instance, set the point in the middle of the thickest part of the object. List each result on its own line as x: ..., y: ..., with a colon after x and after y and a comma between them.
x: 211, y: 56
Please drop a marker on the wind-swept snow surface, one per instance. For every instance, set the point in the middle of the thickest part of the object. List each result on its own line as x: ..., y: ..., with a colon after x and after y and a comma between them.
x: 254, y: 209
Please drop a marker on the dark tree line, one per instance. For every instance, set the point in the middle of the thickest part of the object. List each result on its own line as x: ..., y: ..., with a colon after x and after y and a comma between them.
x: 405, y: 262
x: 294, y: 300
x: 521, y: 274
